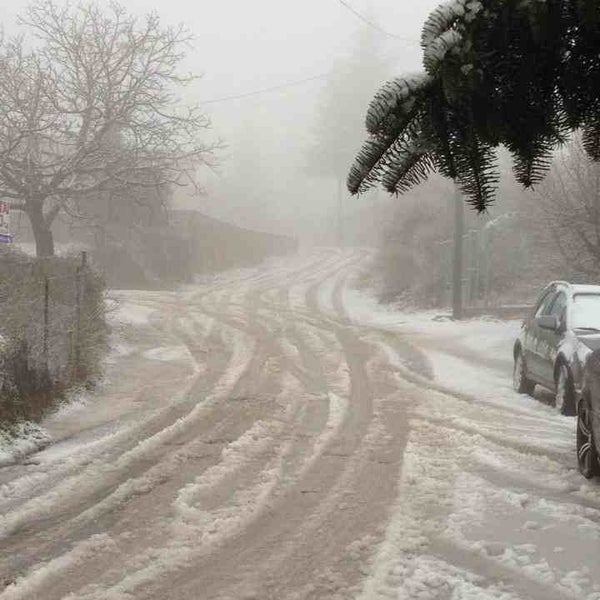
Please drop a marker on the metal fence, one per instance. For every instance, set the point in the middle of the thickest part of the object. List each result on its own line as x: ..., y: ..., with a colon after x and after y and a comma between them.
x: 478, y: 268
x: 51, y: 322
x: 499, y: 265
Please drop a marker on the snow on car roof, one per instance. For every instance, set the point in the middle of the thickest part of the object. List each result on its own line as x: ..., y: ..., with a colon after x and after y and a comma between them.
x: 586, y: 289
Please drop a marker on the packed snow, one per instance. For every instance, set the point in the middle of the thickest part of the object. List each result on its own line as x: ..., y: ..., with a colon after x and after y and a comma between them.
x: 275, y: 432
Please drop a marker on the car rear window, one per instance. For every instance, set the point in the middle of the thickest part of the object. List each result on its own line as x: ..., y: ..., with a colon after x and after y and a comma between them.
x: 586, y: 311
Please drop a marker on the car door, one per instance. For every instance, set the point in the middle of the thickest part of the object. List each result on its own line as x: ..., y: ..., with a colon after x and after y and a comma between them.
x: 531, y: 338
x: 592, y: 385
x: 549, y: 340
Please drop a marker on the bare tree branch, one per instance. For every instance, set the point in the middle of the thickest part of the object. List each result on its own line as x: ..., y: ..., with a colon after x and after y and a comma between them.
x: 92, y: 109
x: 569, y: 208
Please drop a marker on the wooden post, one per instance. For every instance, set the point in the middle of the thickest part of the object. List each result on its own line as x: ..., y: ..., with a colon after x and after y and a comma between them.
x: 78, y: 302
x: 46, y: 324
x: 457, y: 269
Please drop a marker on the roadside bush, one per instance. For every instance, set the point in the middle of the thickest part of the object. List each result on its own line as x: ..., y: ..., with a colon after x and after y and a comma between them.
x: 52, y: 330
x: 509, y: 253
x: 408, y: 261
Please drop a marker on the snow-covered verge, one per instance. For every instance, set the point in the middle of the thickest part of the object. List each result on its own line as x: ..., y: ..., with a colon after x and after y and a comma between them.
x: 490, y: 501
x: 490, y: 338
x: 20, y: 440
x: 129, y: 313
x: 78, y: 410
x: 52, y: 340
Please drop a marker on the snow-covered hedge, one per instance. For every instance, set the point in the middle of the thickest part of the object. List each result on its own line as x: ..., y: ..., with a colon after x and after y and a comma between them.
x: 52, y: 329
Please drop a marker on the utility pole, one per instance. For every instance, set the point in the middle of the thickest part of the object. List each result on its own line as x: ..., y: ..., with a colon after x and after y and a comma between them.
x: 457, y: 267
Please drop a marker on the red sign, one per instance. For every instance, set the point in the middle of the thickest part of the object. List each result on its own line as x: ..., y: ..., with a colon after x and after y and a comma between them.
x: 5, y: 237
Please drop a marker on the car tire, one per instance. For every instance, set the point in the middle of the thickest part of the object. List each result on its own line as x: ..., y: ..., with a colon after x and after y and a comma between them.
x: 565, y: 391
x: 521, y: 383
x: 587, y: 455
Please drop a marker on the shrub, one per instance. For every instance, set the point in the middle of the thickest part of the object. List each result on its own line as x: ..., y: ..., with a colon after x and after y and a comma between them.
x: 52, y: 330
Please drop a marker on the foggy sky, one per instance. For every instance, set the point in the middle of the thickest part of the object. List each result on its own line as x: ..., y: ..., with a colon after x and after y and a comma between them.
x: 241, y: 46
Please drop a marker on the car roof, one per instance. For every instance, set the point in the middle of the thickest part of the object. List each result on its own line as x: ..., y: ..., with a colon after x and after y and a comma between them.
x: 575, y: 288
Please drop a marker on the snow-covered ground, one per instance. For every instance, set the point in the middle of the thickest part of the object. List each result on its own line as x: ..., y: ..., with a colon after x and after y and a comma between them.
x: 490, y: 337
x: 273, y: 433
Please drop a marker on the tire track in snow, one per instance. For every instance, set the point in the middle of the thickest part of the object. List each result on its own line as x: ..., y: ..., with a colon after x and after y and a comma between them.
x: 345, y: 452
x: 200, y: 521
x: 221, y: 298
x: 16, y: 491
x: 303, y: 510
x: 419, y: 544
x: 99, y: 476
x: 480, y: 424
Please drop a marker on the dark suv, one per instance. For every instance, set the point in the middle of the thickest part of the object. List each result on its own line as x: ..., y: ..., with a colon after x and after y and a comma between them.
x: 555, y: 340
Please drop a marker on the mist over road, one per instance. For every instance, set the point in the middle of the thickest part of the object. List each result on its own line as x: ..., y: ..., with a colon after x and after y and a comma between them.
x: 256, y: 439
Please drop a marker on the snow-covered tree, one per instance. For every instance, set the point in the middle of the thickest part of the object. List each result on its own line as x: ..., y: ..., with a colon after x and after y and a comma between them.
x: 565, y: 212
x: 521, y: 73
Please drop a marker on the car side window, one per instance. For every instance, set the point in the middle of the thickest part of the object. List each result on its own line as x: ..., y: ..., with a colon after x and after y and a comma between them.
x: 544, y: 305
x: 559, y: 305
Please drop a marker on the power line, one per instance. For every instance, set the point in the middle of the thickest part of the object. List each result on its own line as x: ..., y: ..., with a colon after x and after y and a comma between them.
x: 275, y: 88
x: 299, y: 82
x: 373, y: 24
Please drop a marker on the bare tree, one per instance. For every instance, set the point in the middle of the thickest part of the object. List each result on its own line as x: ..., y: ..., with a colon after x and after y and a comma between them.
x: 89, y: 106
x: 566, y: 214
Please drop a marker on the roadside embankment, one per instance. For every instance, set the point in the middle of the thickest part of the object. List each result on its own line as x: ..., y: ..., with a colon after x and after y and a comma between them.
x: 52, y: 332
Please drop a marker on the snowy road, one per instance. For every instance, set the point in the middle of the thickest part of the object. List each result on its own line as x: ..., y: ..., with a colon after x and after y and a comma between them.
x: 272, y: 435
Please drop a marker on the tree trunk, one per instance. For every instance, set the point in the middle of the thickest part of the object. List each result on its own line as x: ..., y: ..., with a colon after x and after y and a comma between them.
x: 42, y: 233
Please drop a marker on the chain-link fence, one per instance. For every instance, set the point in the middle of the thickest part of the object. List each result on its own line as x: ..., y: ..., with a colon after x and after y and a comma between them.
x: 476, y: 276
x: 52, y: 330
x: 499, y: 266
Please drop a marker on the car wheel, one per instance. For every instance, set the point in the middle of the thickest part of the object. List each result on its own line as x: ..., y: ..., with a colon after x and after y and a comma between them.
x: 565, y: 392
x: 587, y: 456
x: 521, y: 383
